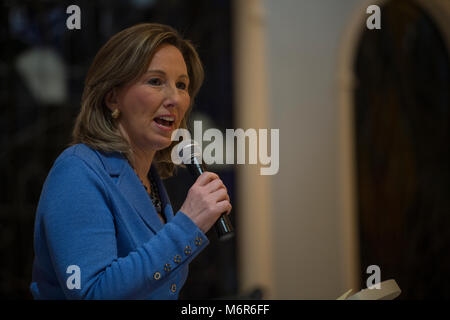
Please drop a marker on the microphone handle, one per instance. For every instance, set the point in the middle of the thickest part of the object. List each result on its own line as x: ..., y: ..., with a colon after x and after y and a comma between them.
x: 223, y: 225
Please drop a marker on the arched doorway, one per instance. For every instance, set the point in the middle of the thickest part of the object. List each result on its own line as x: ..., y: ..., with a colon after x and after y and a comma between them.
x: 401, y: 101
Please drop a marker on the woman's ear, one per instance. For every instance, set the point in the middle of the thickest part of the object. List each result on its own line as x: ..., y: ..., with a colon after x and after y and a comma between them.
x: 111, y: 100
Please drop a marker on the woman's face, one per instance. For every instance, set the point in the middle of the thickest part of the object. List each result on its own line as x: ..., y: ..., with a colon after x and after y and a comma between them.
x: 154, y: 106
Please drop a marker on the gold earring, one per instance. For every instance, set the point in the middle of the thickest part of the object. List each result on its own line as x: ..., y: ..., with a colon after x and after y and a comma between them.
x: 115, y: 114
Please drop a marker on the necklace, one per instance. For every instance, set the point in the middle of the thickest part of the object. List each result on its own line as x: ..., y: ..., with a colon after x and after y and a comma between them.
x: 154, y: 195
x: 154, y: 192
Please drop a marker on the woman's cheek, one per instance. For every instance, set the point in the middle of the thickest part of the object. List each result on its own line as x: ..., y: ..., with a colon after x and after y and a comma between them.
x: 187, y: 102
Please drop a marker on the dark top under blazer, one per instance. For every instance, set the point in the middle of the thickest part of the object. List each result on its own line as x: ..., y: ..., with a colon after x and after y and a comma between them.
x: 94, y: 214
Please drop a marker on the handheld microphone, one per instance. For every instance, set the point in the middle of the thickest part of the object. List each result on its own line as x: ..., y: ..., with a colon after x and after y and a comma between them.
x: 190, y: 154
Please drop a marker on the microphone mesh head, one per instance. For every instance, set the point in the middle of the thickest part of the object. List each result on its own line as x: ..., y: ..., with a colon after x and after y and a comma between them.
x: 186, y: 150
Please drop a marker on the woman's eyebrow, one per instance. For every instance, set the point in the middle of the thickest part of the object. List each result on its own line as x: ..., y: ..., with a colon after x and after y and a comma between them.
x: 163, y: 73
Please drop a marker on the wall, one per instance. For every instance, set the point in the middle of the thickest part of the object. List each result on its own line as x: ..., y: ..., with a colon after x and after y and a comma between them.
x: 300, y: 243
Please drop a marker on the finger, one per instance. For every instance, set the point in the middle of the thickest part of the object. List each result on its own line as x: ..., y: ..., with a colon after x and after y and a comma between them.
x: 224, y: 206
x: 214, y: 185
x: 220, y: 195
x: 206, y: 177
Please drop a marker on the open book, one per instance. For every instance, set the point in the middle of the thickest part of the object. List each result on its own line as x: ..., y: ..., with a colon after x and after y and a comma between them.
x: 386, y: 290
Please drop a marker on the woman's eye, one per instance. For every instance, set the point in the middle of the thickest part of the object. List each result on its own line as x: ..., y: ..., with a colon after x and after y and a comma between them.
x: 155, y: 82
x: 181, y: 85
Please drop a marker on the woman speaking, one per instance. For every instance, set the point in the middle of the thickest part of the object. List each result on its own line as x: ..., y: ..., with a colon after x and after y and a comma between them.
x: 104, y: 226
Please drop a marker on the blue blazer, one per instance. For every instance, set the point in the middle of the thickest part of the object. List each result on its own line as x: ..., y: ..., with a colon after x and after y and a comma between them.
x: 98, y: 236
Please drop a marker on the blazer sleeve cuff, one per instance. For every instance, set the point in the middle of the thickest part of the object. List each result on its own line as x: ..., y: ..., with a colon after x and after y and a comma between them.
x: 197, y: 240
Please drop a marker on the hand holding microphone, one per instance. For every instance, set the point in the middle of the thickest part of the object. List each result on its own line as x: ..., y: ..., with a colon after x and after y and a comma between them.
x: 207, y: 202
x: 207, y: 199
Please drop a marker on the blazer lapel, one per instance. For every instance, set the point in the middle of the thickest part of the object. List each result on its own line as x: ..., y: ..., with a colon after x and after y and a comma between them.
x: 131, y: 188
x: 165, y: 201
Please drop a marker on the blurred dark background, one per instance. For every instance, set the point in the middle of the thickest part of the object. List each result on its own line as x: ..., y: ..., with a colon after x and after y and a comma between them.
x: 36, y: 128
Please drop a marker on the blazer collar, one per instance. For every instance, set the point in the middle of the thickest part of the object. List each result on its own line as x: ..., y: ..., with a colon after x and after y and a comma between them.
x: 128, y: 183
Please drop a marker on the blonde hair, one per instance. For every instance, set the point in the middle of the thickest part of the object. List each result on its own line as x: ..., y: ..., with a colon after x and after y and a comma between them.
x: 123, y: 60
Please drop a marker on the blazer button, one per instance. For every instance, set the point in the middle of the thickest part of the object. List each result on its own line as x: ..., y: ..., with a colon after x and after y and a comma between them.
x: 173, y: 287
x: 187, y: 250
x: 156, y: 275
x: 167, y: 267
x: 177, y: 259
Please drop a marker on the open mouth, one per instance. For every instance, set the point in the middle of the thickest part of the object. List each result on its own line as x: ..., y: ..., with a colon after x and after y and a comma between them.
x: 165, y: 121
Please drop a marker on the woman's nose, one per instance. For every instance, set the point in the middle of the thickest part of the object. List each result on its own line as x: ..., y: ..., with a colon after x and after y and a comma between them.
x: 172, y: 96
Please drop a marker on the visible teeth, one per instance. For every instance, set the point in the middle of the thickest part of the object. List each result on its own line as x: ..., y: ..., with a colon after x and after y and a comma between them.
x: 167, y: 118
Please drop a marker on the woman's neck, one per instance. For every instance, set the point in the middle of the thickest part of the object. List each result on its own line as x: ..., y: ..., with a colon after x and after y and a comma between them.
x: 142, y: 161
x: 142, y: 157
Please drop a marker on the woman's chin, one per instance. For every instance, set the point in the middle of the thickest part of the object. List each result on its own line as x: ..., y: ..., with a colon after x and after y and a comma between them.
x: 160, y: 143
